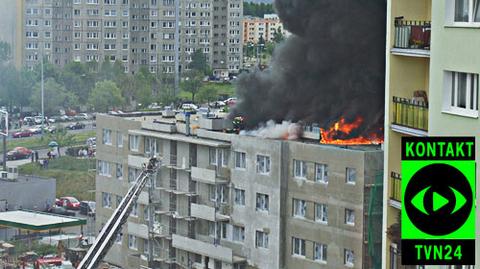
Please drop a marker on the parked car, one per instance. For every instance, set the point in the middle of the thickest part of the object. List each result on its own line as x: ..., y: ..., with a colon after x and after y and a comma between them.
x: 68, y: 203
x: 35, y: 129
x: 217, y: 104
x: 50, y: 129
x: 231, y: 101
x: 19, y: 153
x: 38, y: 119
x: 91, y: 141
x: 81, y: 116
x: 22, y: 133
x: 65, y: 118
x: 189, y: 106
x: 87, y: 208
x: 76, y: 126
x: 61, y: 211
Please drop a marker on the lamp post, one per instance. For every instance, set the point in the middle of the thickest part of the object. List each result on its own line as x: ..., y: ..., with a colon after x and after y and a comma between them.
x: 42, y: 89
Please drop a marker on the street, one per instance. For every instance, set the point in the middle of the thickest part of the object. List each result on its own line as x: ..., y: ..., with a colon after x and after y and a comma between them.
x: 88, y: 127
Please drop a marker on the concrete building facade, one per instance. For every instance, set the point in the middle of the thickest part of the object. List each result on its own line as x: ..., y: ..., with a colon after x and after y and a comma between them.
x: 230, y: 201
x: 137, y: 33
x: 424, y: 95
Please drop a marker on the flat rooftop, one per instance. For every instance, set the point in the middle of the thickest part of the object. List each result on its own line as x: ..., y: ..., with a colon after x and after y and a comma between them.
x: 37, y: 221
x: 23, y: 179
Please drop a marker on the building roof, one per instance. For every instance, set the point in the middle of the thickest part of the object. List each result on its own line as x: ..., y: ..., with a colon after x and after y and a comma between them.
x: 182, y: 138
x: 37, y: 221
x: 24, y: 179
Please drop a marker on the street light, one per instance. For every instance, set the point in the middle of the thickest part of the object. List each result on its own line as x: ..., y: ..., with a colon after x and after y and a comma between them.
x: 42, y: 91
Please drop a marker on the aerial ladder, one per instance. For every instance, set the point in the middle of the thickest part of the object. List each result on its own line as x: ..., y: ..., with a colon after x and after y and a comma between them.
x: 110, y: 231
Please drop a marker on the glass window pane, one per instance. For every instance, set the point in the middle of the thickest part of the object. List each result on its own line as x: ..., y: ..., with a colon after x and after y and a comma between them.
x: 462, y: 90
x: 461, y: 10
x: 476, y: 11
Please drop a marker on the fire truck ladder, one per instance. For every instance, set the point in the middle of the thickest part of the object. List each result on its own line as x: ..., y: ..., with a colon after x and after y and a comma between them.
x: 109, y: 232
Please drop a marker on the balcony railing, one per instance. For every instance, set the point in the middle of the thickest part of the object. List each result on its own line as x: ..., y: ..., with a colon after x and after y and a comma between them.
x: 395, y: 187
x: 412, y: 34
x: 410, y: 113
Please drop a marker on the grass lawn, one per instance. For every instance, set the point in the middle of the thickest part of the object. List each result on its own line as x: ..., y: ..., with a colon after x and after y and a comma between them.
x: 72, y: 175
x: 39, y: 142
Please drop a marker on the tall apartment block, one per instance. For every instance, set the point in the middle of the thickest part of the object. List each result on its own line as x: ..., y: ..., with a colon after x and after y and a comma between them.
x: 138, y: 33
x: 231, y: 201
x: 431, y: 90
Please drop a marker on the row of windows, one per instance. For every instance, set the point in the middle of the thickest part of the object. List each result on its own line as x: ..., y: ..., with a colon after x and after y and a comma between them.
x: 300, y: 171
x: 299, y: 210
x: 319, y: 251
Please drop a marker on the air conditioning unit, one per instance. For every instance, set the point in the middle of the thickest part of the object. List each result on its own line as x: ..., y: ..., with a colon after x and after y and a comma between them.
x: 3, y: 174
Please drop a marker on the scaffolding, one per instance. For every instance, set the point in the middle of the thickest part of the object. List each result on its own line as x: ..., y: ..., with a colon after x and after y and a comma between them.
x: 373, y: 215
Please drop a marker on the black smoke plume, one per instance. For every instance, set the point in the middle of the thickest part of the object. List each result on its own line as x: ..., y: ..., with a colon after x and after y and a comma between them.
x: 332, y: 66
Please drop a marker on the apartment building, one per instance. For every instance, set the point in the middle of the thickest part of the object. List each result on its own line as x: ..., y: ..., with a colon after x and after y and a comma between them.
x: 231, y: 201
x: 430, y: 90
x: 137, y: 33
x: 11, y: 17
x: 264, y: 28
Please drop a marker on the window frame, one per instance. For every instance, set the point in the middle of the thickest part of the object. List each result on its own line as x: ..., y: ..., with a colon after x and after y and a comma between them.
x: 323, y: 253
x: 451, y: 93
x: 323, y: 208
x: 261, y: 239
x: 350, y: 212
x: 473, y: 8
x: 107, y: 136
x: 345, y: 257
x: 134, y: 142
x: 349, y: 173
x: 240, y: 160
x: 301, y: 167
x: 239, y: 192
x: 267, y: 164
x: 264, y: 204
x: 323, y: 178
x: 299, y: 208
x: 298, y: 250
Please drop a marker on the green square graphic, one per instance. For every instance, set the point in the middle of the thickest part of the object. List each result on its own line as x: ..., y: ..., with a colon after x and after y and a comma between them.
x: 408, y: 229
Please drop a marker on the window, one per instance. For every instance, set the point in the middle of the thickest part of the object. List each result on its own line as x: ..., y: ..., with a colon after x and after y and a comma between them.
x: 146, y: 247
x: 263, y: 164
x: 146, y: 215
x: 132, y: 174
x: 106, y: 200
x: 298, y: 248
x: 351, y: 175
x: 299, y: 208
x: 119, y: 140
x: 107, y: 137
x: 299, y: 169
x: 466, y: 11
x: 262, y: 202
x: 321, y: 213
x: 238, y: 233
x: 240, y: 160
x: 261, y: 239
x: 150, y: 146
x: 213, y: 156
x: 349, y: 217
x: 321, y: 173
x: 239, y: 196
x: 218, y: 193
x: 118, y: 240
x: 132, y: 242
x: 319, y: 252
x: 103, y: 169
x: 349, y: 257
x: 134, y: 212
x: 119, y: 171
x: 134, y: 141
x: 461, y: 94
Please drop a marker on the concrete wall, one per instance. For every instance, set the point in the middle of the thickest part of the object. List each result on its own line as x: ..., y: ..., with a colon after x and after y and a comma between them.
x: 454, y: 49
x: 30, y: 194
x: 337, y: 195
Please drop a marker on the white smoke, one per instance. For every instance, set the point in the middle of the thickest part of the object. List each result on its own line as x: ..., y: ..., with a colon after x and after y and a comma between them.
x: 272, y: 130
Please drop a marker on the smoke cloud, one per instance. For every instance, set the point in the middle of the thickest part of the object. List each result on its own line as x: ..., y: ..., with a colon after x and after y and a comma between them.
x: 272, y: 130
x: 332, y: 66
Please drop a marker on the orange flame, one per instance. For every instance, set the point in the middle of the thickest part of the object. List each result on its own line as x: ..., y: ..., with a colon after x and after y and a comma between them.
x: 339, y: 134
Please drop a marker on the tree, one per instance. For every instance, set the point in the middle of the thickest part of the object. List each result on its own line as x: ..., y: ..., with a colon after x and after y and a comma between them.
x: 5, y: 52
x: 8, y: 86
x: 192, y: 83
x: 62, y: 137
x: 207, y: 94
x: 278, y: 36
x: 77, y: 79
x: 199, y: 62
x: 105, y: 95
x: 55, y: 97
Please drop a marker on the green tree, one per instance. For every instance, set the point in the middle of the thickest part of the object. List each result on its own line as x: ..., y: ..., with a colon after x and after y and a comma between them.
x: 77, y: 79
x: 199, y: 62
x: 8, y: 86
x: 5, y: 52
x: 192, y: 83
x: 62, y: 137
x: 207, y: 94
x: 278, y: 36
x: 55, y: 97
x: 105, y: 95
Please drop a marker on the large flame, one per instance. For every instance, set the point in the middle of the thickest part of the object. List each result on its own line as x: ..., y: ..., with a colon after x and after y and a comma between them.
x: 340, y: 133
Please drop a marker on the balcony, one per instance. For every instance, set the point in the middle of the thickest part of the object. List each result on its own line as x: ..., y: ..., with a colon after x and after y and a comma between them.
x: 205, y: 249
x: 395, y: 190
x: 412, y: 38
x: 410, y: 116
x: 207, y: 176
x: 209, y: 213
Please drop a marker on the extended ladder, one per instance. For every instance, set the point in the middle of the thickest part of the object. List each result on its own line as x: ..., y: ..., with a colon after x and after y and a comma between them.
x: 109, y: 232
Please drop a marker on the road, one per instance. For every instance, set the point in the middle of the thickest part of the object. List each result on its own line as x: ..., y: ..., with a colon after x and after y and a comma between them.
x: 88, y: 127
x: 42, y: 153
